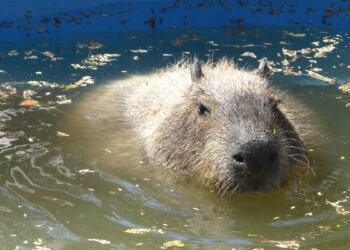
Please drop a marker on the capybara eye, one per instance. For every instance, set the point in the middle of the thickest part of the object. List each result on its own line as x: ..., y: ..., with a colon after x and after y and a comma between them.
x: 202, y: 109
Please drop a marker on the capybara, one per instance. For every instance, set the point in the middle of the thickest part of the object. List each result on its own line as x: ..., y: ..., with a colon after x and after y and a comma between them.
x: 226, y: 127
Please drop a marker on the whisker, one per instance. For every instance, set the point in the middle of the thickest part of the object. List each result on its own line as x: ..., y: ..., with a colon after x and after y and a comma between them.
x: 303, y: 149
x: 307, y: 163
x: 294, y: 140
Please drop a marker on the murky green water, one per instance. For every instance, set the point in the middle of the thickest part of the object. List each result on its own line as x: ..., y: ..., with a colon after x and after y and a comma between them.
x: 68, y: 192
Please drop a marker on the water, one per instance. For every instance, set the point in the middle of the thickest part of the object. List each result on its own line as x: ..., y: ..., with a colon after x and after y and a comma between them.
x: 65, y: 192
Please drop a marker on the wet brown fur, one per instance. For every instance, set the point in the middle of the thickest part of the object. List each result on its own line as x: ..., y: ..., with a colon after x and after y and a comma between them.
x: 161, y: 109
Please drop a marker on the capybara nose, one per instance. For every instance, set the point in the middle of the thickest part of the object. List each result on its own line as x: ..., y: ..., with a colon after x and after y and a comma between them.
x: 256, y: 156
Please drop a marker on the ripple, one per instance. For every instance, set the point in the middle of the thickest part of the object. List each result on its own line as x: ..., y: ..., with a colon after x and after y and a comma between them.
x: 293, y: 222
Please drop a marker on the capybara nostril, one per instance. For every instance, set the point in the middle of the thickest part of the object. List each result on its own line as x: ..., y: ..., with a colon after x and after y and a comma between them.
x: 238, y: 158
x: 273, y: 157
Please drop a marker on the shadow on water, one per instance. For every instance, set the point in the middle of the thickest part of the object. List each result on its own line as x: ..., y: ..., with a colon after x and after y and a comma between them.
x: 74, y: 192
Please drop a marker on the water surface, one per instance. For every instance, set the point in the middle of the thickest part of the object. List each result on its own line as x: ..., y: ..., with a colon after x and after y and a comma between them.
x: 64, y: 192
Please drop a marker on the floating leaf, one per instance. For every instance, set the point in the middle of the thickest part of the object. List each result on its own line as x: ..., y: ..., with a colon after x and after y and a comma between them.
x: 41, y: 29
x: 103, y: 242
x: 345, y: 88
x: 321, y: 77
x: 295, y: 34
x: 12, y: 53
x: 283, y: 244
x: 138, y: 51
x: 251, y: 54
x: 138, y: 230
x: 85, y: 171
x: 62, y: 134
x: 342, y: 212
x: 84, y: 80
x: 173, y: 243
x: 29, y: 103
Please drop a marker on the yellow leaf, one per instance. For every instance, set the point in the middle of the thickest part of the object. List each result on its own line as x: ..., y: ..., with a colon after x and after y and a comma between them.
x: 137, y: 230
x: 295, y: 34
x: 41, y: 29
x: 173, y: 243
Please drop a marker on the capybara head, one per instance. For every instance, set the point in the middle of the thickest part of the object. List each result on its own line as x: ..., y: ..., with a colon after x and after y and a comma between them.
x: 229, y: 131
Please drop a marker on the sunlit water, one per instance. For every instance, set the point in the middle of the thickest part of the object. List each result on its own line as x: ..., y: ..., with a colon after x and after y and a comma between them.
x: 66, y: 192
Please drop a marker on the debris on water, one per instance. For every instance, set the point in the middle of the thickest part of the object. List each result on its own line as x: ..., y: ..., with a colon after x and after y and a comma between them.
x: 3, y: 126
x: 33, y: 57
x: 173, y: 244
x: 31, y: 139
x: 92, y: 116
x: 102, y: 242
x: 41, y: 29
x: 104, y: 57
x: 96, y: 60
x: 82, y: 82
x: 342, y: 212
x: 94, y: 45
x: 142, y: 230
x: 289, y: 71
x: 321, y: 77
x: 62, y: 134
x: 326, y: 228
x: 48, y: 54
x: 321, y: 52
x: 251, y: 54
x: 85, y: 171
x: 29, y: 103
x: 338, y: 207
x: 13, y: 53
x: 289, y: 52
x: 138, y: 230
x: 345, y: 88
x: 294, y: 34
x: 316, y: 69
x: 62, y: 99
x: 138, y: 51
x: 294, y: 244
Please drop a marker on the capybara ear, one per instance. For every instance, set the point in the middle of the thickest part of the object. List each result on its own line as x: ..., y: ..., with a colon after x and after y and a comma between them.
x: 263, y: 69
x: 196, y: 71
